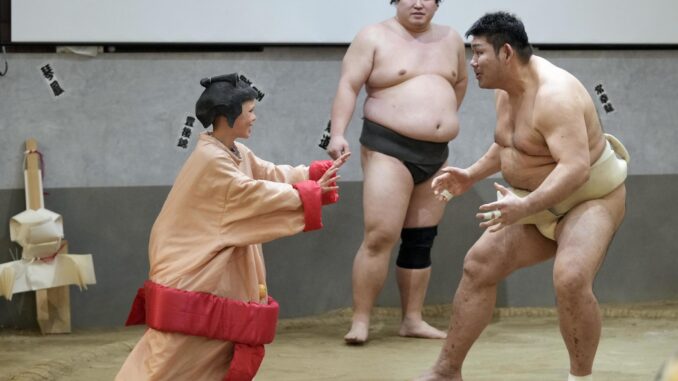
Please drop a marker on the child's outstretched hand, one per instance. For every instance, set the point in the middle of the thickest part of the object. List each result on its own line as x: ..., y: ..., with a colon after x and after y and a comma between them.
x: 328, y: 180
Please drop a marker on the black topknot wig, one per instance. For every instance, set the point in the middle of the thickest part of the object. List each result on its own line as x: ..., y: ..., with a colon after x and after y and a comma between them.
x: 224, y: 95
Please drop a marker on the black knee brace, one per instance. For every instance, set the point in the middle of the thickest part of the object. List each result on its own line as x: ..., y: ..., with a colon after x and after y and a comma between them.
x: 415, y: 248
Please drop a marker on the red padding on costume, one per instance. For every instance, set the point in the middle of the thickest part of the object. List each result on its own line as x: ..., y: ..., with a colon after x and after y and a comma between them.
x: 245, y: 363
x: 247, y: 325
x: 310, y: 194
x: 316, y: 171
x: 203, y: 314
x: 137, y: 314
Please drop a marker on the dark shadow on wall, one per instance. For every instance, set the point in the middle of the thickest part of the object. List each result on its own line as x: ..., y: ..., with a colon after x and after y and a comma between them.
x: 310, y: 273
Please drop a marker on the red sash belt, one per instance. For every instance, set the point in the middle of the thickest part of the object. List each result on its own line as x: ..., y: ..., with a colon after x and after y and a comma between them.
x: 248, y: 325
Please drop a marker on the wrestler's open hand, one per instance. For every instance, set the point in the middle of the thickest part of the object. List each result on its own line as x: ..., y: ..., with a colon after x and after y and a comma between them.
x: 328, y: 181
x: 506, y: 211
x: 337, y: 147
x: 454, y: 180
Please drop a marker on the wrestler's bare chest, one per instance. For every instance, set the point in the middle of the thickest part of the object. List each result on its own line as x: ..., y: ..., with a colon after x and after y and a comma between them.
x: 525, y: 157
x: 516, y: 127
x: 397, y: 61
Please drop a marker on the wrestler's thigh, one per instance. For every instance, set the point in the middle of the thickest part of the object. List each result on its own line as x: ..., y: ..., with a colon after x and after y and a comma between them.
x: 511, y: 248
x: 585, y: 233
x: 387, y: 186
x: 424, y: 209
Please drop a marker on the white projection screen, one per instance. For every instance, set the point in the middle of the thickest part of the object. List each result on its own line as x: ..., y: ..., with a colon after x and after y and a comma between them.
x: 325, y: 21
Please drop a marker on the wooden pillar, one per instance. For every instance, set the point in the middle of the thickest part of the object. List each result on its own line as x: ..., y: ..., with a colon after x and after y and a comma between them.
x: 53, y: 304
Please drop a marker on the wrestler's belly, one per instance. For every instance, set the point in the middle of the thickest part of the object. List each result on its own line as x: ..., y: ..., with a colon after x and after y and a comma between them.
x: 423, y: 108
x: 525, y: 172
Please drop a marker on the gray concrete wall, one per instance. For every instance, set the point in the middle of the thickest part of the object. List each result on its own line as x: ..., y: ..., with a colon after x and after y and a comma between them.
x: 109, y: 146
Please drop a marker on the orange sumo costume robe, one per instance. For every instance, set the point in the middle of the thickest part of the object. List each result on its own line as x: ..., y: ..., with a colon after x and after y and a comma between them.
x: 205, y: 301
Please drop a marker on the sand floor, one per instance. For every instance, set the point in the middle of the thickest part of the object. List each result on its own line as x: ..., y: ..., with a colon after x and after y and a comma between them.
x: 520, y: 345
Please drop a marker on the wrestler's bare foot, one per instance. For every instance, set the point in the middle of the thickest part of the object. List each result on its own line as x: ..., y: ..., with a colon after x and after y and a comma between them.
x: 432, y: 375
x: 358, y: 333
x: 419, y: 328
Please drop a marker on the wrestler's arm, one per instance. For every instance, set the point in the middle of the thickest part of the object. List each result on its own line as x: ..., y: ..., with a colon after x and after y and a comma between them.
x: 355, y: 69
x: 487, y: 165
x: 560, y: 120
x: 457, y: 181
x: 462, y: 77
